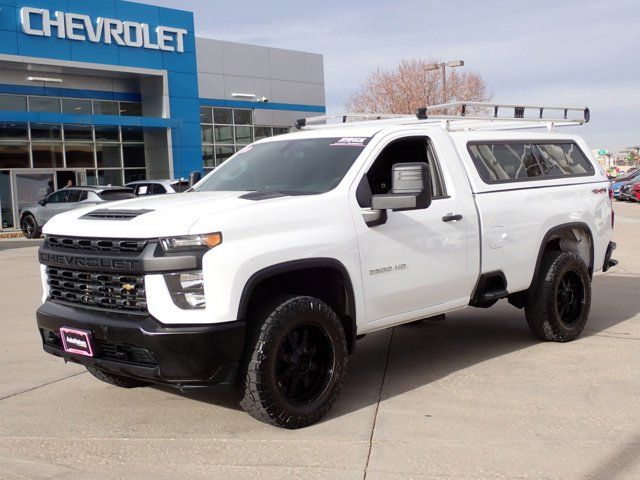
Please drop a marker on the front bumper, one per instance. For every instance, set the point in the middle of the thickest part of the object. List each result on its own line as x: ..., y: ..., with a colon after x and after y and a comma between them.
x: 138, y: 346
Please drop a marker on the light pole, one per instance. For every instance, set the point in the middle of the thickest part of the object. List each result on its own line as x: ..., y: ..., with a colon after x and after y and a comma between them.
x: 443, y: 72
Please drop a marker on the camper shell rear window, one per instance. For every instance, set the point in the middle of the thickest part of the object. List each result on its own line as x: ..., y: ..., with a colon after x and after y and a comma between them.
x: 518, y: 161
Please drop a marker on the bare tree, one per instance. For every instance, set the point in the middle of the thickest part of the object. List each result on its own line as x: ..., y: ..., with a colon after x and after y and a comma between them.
x: 413, y: 84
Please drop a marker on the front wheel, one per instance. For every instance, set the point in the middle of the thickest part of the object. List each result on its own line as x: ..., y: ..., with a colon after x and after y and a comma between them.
x: 295, y: 362
x: 558, y: 304
x: 29, y: 226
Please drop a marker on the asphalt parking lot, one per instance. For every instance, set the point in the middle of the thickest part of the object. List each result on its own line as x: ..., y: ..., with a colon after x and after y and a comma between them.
x: 472, y: 397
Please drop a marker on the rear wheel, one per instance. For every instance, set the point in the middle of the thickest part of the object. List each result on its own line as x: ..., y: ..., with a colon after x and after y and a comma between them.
x: 116, y: 380
x: 558, y: 306
x: 29, y: 226
x: 295, y: 362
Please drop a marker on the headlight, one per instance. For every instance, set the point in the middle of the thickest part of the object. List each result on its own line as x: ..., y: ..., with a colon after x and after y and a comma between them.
x: 187, y: 289
x: 190, y: 242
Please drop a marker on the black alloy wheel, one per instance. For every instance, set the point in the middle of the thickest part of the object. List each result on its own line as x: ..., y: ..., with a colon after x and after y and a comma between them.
x: 305, y: 364
x: 29, y: 227
x: 570, y: 297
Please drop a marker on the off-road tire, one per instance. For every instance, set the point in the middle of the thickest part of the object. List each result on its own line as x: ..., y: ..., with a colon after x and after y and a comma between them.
x: 558, y: 303
x: 116, y: 380
x: 29, y: 227
x: 276, y: 354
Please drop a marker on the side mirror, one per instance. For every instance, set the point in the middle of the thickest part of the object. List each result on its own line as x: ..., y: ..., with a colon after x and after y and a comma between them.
x: 194, y: 177
x: 43, y: 202
x: 410, y: 188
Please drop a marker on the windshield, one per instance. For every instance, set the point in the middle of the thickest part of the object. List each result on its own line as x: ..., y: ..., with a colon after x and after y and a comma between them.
x: 300, y: 166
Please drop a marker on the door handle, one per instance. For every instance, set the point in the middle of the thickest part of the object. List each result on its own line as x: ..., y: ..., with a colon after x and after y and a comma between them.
x: 451, y: 217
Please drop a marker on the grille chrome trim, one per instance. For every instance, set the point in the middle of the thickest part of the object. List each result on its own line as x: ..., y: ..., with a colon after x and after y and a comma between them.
x: 113, y: 291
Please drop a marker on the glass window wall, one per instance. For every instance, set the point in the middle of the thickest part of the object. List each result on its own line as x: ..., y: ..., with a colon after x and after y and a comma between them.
x: 227, y: 130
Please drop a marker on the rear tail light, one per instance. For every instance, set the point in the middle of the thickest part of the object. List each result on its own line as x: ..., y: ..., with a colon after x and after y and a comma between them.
x: 610, y: 193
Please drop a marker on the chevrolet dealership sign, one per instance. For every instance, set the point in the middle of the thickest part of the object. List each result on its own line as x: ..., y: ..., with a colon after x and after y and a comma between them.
x: 74, y: 26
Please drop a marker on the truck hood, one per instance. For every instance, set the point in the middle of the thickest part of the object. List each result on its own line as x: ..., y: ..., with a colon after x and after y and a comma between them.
x: 167, y: 215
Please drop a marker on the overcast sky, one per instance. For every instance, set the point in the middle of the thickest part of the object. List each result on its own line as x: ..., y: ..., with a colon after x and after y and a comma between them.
x: 569, y: 52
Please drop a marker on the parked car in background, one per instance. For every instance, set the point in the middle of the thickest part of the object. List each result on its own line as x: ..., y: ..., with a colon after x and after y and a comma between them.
x: 630, y: 191
x: 34, y: 216
x: 620, y: 182
x: 635, y: 192
x: 158, y: 187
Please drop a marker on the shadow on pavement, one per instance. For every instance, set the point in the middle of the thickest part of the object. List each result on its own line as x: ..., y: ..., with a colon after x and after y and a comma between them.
x: 11, y: 244
x: 430, y: 350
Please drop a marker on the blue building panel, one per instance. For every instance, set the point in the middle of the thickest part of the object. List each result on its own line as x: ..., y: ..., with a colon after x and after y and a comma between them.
x: 8, y: 18
x: 184, y: 107
x: 100, y: 8
x: 52, y: 5
x: 186, y: 161
x: 184, y: 85
x: 88, y: 52
x: 190, y: 135
x: 47, y: 47
x: 139, y: 57
x: 171, y: 16
x: 9, y: 42
x: 179, y: 62
x: 7, y: 3
x: 138, y: 12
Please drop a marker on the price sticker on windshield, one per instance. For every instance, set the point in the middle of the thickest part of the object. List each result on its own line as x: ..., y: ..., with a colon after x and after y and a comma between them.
x: 351, y: 142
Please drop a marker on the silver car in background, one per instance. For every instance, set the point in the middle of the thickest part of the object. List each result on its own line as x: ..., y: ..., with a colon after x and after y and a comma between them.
x: 34, y: 216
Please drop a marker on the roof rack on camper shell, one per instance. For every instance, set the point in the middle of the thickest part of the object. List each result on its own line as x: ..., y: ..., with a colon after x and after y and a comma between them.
x: 466, y: 116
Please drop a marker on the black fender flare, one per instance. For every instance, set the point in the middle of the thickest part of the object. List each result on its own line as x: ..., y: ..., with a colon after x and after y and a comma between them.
x: 560, y: 228
x: 302, y: 264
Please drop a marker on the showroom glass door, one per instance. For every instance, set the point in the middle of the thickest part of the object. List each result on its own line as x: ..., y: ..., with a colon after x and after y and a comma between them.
x: 31, y: 188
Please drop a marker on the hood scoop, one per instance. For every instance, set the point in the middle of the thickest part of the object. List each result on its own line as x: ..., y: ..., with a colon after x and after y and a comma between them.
x: 262, y: 195
x: 107, y: 214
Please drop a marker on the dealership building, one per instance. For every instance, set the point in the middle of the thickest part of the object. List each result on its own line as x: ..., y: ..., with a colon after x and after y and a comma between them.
x: 109, y: 91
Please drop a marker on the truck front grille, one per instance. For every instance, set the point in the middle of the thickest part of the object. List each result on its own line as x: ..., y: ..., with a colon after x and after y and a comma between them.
x: 115, y: 291
x: 113, y: 245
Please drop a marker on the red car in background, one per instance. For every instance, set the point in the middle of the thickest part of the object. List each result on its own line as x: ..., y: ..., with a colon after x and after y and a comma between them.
x: 630, y: 191
x: 635, y: 192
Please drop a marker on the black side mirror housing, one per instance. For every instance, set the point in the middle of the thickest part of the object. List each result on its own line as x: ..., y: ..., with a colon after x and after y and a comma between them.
x: 194, y: 177
x: 410, y: 189
x: 43, y: 202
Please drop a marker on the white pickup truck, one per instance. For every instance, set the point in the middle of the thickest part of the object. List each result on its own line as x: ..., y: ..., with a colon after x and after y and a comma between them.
x: 266, y: 273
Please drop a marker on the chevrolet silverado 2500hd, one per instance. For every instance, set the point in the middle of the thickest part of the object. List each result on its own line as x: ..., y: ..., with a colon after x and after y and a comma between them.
x: 266, y: 273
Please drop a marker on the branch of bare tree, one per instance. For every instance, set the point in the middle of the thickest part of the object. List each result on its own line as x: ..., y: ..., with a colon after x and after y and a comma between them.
x: 414, y: 84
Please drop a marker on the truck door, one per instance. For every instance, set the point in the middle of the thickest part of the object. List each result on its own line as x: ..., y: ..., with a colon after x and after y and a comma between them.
x: 417, y: 261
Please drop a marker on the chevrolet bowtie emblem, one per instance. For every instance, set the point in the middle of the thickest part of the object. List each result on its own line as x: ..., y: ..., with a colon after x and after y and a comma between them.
x: 127, y: 287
